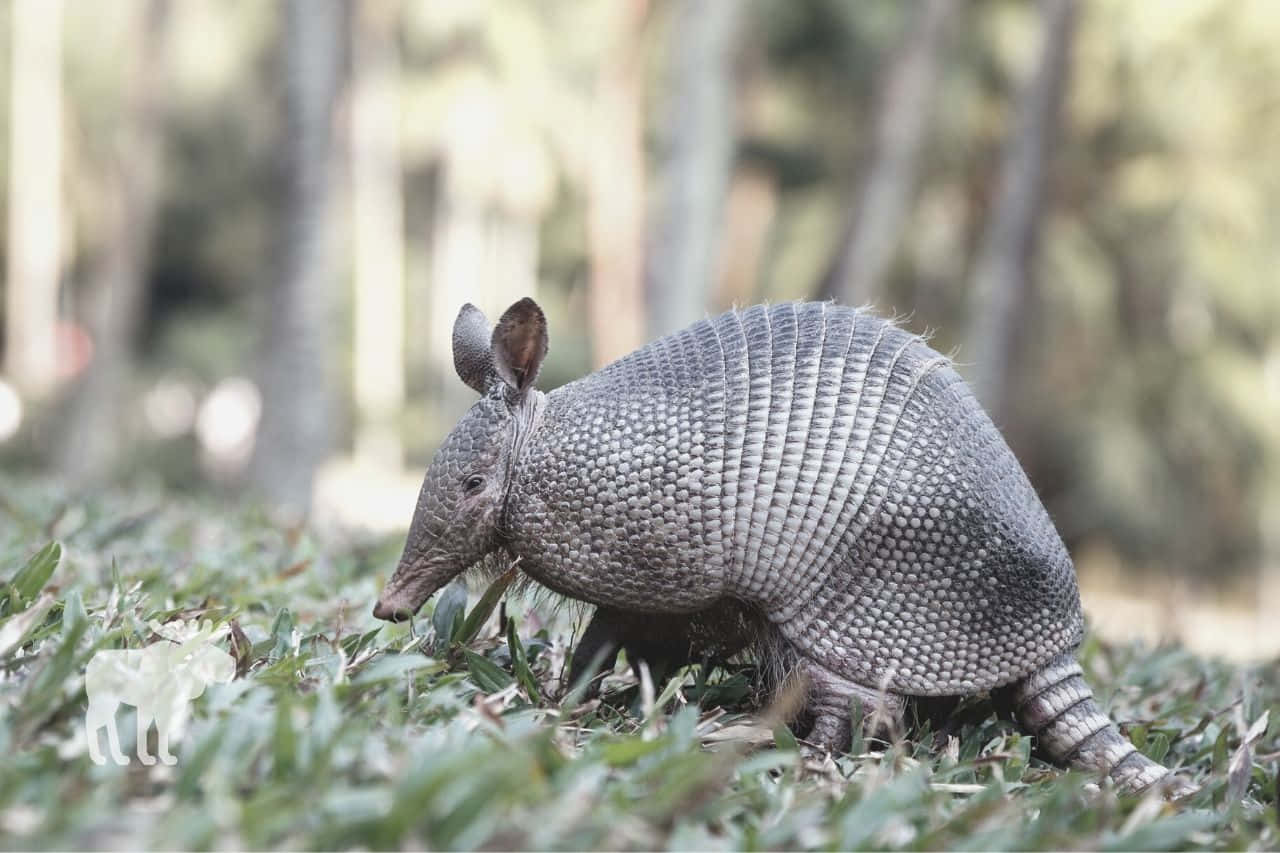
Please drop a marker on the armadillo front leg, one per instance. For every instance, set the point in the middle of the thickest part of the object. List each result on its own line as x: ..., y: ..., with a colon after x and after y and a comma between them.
x: 831, y: 700
x: 599, y: 639
x: 1056, y: 705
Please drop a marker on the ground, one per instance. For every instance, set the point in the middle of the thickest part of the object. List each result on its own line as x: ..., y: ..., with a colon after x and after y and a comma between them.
x: 459, y: 732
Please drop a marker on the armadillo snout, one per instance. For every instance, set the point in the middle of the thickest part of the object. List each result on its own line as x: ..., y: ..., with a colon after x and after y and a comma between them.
x: 390, y: 611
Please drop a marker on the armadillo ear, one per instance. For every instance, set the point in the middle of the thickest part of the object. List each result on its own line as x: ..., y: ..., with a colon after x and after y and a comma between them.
x: 472, y: 352
x: 520, y: 344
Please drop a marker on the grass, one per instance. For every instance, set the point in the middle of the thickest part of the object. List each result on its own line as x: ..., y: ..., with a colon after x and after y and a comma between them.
x: 340, y: 731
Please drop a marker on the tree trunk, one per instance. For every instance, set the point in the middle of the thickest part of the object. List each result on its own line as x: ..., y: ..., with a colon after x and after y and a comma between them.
x: 457, y: 276
x: 883, y: 195
x: 483, y: 251
x: 378, y: 211
x: 1004, y: 267
x: 35, y: 195
x: 750, y: 210
x: 615, y: 191
x: 99, y: 427
x: 298, y: 408
x: 751, y: 203
x: 701, y: 132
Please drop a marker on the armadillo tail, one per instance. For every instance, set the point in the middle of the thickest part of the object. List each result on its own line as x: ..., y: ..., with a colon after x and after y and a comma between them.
x: 1056, y: 705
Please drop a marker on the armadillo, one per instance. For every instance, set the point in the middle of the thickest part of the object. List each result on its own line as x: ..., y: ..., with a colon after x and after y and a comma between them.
x: 810, y: 463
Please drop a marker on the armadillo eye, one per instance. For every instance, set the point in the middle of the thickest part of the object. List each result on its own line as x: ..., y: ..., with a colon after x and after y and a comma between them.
x: 473, y: 484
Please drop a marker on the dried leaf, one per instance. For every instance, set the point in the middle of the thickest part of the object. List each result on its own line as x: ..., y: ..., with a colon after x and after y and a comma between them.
x: 1259, y: 728
x: 15, y: 628
x: 1239, y: 771
x: 241, y: 649
x: 296, y: 569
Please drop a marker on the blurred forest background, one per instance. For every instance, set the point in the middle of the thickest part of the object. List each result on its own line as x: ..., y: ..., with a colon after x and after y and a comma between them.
x: 239, y: 232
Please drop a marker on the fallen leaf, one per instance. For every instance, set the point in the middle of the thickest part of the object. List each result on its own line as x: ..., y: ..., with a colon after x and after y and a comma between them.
x: 296, y: 569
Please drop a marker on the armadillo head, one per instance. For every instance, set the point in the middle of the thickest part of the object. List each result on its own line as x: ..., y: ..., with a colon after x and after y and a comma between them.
x: 458, y: 518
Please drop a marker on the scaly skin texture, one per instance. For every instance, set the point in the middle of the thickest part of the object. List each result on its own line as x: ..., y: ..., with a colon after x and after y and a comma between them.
x: 876, y: 517
x: 1056, y: 705
x: 811, y: 464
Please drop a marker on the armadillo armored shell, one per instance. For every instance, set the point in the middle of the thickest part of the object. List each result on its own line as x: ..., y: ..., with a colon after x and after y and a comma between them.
x: 821, y: 463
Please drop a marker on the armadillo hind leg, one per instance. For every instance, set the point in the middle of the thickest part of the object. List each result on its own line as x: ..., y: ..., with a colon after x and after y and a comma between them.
x: 1056, y: 705
x: 830, y: 702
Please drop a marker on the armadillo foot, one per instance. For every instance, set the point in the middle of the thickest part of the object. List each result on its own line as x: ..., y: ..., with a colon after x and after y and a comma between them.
x: 1057, y: 706
x: 831, y: 701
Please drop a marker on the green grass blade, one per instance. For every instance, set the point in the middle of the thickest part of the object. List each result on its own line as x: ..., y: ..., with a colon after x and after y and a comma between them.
x: 487, y: 675
x: 447, y: 617
x: 26, y: 584
x: 484, y: 607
